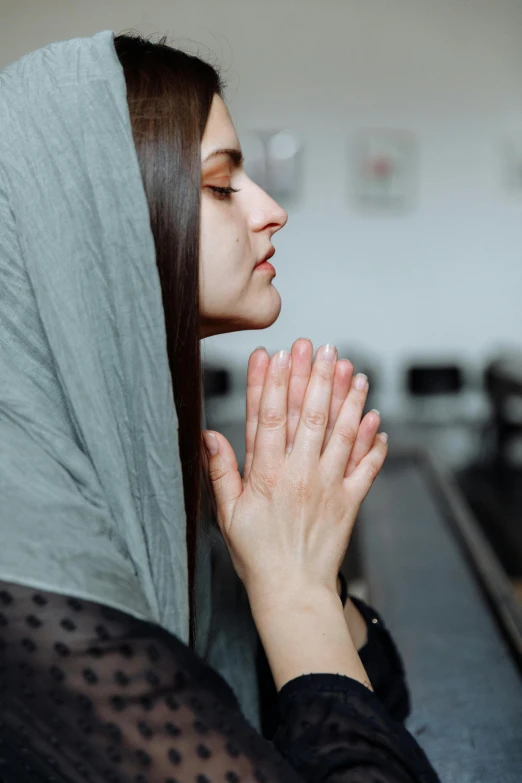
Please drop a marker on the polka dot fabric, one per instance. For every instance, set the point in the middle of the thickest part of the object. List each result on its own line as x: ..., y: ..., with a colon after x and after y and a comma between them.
x: 91, y: 695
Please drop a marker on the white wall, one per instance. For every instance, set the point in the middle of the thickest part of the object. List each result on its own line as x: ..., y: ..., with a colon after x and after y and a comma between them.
x: 445, y: 279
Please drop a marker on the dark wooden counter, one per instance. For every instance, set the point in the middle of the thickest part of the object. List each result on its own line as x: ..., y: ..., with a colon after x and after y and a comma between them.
x: 452, y: 611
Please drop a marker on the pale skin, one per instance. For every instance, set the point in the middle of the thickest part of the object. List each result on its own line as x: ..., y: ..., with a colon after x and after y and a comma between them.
x: 310, y: 459
x: 302, y: 356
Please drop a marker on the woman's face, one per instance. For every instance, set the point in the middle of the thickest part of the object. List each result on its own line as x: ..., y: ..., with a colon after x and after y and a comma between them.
x: 235, y: 233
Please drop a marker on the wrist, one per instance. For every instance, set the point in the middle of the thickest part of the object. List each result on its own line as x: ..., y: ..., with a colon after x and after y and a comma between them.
x: 292, y: 597
x: 304, y: 632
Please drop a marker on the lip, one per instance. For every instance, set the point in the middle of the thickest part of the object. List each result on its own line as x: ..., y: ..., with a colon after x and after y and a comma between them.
x: 267, y: 257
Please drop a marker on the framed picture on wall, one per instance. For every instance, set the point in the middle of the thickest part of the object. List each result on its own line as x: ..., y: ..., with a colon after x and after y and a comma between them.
x: 273, y: 159
x: 384, y: 171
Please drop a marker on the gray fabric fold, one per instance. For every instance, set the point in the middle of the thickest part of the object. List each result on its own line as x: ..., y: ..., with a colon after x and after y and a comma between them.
x: 91, y: 493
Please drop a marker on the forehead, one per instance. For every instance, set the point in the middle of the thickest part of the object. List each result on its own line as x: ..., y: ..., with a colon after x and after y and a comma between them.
x: 219, y: 130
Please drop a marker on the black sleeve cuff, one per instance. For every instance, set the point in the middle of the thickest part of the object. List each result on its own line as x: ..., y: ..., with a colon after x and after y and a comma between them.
x: 383, y: 663
x: 310, y: 685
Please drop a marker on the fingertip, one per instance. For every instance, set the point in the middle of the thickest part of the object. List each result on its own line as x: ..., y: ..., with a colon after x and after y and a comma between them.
x: 360, y: 382
x: 373, y: 419
x: 211, y: 443
x: 383, y: 437
x: 259, y: 353
x: 282, y: 360
x: 302, y: 346
x: 257, y: 366
x: 344, y: 367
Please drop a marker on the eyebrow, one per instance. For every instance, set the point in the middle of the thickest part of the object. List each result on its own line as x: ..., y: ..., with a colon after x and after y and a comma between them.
x: 235, y: 155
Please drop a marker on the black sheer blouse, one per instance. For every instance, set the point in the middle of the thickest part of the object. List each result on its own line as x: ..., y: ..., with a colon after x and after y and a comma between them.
x: 89, y: 694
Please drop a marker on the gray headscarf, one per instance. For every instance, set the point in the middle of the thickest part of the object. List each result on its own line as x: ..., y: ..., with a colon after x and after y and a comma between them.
x: 91, y: 493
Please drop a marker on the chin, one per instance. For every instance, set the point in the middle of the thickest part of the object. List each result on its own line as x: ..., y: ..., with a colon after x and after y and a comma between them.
x: 259, y: 315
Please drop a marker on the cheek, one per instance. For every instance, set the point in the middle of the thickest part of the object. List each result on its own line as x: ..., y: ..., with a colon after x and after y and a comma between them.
x: 223, y: 236
x: 225, y: 266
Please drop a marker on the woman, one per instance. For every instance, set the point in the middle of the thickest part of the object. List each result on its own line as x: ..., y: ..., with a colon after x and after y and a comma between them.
x: 105, y: 171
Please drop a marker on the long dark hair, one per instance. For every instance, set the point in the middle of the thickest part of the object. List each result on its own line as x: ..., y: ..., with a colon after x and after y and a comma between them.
x: 169, y: 94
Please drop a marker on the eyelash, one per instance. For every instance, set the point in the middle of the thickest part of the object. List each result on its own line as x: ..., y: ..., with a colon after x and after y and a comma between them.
x: 222, y: 193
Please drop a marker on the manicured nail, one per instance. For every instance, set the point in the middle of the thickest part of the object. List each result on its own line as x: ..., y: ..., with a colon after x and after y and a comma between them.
x: 374, y: 410
x: 329, y: 353
x: 211, y: 442
x: 283, y: 359
x: 361, y: 382
x: 383, y: 436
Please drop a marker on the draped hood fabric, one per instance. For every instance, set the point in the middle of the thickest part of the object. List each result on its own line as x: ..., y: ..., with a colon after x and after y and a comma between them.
x: 91, y: 492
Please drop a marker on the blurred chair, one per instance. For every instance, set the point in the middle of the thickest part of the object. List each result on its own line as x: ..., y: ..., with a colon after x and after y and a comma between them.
x: 503, y: 384
x: 217, y: 387
x: 435, y: 392
x: 429, y: 380
x: 216, y: 381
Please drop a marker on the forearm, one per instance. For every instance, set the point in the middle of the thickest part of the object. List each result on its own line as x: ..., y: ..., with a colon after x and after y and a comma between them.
x: 305, y: 633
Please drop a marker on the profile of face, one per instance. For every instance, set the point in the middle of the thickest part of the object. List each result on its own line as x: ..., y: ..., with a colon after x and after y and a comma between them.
x: 238, y: 220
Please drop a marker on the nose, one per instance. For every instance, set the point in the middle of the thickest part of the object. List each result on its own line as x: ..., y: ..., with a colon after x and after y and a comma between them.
x: 268, y: 214
x: 280, y: 215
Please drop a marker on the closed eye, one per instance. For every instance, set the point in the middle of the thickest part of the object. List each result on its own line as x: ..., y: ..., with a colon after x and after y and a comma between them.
x: 222, y: 193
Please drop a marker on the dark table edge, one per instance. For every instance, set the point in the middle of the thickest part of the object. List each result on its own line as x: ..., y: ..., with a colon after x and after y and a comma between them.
x: 484, y: 563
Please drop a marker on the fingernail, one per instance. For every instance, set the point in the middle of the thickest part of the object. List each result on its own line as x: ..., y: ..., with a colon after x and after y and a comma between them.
x: 383, y: 437
x: 329, y: 353
x: 374, y: 410
x: 260, y: 348
x: 211, y: 442
x: 361, y: 382
x: 283, y: 359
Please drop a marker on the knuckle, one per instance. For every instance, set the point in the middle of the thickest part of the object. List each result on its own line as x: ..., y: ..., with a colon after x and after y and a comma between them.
x: 280, y: 378
x: 217, y: 473
x: 324, y: 370
x: 346, y: 434
x: 272, y: 418
x: 314, y: 419
x: 271, y: 479
x: 302, y: 488
x: 370, y: 470
x: 265, y: 482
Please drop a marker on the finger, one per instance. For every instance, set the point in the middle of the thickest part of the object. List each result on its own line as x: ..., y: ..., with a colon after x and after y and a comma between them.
x: 339, y: 448
x: 361, y: 480
x: 270, y: 442
x: 210, y: 498
x: 364, y: 441
x: 341, y: 387
x: 313, y: 420
x: 302, y: 352
x: 256, y: 374
x: 225, y: 480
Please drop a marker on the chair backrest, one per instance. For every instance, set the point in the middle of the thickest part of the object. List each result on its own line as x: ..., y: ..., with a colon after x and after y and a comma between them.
x: 432, y: 379
x: 216, y: 381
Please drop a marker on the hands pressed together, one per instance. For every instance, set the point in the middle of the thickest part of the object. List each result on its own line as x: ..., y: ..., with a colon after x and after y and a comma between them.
x: 310, y: 462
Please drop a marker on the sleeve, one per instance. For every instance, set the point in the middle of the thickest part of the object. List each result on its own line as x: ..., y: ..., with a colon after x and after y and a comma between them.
x: 383, y: 663
x: 334, y: 729
x: 89, y: 694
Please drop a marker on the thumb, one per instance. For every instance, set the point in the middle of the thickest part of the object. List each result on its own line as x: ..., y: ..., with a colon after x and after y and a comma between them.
x: 223, y: 473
